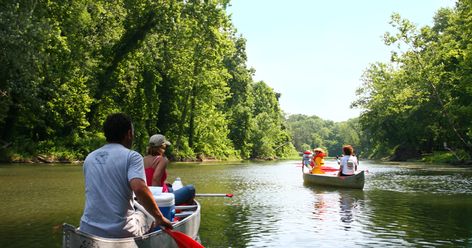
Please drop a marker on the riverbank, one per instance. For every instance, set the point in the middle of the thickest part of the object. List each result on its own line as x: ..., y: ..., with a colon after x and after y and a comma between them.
x: 439, y: 157
x: 52, y: 159
x: 434, y: 158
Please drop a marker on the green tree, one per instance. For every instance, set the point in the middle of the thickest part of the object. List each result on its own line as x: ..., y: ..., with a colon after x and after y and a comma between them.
x: 177, y: 67
x: 240, y: 103
x: 269, y: 134
x: 417, y: 104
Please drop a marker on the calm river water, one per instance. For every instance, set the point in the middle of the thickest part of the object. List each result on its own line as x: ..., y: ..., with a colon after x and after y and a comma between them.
x: 402, y: 205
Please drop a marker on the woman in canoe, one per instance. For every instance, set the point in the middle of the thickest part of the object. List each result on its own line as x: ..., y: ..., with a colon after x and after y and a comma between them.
x: 318, y: 161
x: 155, y: 164
x: 348, y: 162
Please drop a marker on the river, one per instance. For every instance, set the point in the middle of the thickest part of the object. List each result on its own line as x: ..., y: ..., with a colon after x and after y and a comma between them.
x: 402, y: 205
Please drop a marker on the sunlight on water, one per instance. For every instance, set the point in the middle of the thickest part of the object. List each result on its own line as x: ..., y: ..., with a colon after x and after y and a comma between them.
x: 396, y: 208
x: 402, y: 205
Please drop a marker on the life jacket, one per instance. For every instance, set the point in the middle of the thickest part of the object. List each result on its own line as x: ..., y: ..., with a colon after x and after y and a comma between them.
x: 319, y: 159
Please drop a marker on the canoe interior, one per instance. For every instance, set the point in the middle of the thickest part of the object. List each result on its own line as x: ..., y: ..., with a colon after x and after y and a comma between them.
x: 73, y: 237
x: 353, y: 182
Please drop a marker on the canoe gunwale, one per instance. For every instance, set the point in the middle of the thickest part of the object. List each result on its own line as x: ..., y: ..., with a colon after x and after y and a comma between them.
x: 186, y: 225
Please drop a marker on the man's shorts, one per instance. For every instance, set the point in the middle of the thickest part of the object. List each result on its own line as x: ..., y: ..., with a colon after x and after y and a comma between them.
x: 138, y: 224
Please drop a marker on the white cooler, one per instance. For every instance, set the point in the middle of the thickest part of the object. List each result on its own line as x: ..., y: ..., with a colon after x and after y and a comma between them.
x: 165, y: 201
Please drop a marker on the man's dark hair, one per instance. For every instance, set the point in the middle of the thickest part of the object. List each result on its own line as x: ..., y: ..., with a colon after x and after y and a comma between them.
x: 116, y: 126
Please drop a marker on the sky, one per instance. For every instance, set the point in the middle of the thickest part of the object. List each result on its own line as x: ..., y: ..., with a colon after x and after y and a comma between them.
x: 314, y: 52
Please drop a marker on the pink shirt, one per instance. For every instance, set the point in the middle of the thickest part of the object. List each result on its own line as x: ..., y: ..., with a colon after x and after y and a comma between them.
x: 150, y: 173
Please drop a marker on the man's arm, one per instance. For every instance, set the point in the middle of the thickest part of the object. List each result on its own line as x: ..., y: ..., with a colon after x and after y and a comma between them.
x: 146, y: 199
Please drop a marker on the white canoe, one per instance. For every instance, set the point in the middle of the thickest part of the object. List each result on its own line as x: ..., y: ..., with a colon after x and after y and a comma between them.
x: 73, y: 237
x: 354, y: 182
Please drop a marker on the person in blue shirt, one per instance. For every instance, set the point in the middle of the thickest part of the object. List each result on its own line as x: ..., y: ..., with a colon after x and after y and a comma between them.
x: 112, y: 174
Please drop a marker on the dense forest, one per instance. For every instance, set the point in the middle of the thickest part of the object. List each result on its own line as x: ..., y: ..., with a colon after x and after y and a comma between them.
x: 311, y: 131
x: 179, y: 68
x: 176, y: 67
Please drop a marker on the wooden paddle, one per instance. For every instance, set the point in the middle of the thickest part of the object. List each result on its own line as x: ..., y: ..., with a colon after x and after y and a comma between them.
x: 182, y: 239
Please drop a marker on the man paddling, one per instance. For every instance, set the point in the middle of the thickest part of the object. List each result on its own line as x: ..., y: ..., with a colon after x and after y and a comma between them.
x: 112, y: 174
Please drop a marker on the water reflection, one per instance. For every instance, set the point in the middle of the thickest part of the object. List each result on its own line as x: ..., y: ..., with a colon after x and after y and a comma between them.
x: 402, y: 205
x: 342, y: 202
x: 346, y: 204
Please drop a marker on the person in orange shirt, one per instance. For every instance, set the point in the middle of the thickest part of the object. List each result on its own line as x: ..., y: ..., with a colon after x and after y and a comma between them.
x: 318, y: 161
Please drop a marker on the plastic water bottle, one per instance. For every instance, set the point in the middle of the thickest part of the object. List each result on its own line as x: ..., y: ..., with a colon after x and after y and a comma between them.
x: 177, y: 184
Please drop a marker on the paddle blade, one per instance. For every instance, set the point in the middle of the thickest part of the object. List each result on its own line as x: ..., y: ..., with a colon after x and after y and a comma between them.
x: 183, y: 240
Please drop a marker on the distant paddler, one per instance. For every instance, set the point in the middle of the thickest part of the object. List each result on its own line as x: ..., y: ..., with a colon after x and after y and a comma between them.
x: 348, y: 162
x: 306, y: 160
x: 318, y: 161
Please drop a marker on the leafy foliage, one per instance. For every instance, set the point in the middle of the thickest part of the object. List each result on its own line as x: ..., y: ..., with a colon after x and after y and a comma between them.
x: 421, y: 101
x: 311, y: 132
x: 176, y: 67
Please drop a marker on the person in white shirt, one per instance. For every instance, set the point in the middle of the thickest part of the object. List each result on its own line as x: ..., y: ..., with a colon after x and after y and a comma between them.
x: 348, y: 162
